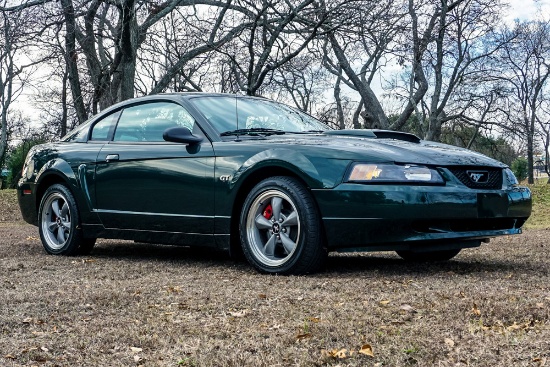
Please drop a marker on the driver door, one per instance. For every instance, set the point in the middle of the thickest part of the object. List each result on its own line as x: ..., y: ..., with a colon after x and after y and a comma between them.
x: 146, y: 183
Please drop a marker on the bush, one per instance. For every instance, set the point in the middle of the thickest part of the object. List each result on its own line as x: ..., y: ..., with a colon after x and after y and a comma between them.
x: 16, y: 160
x: 520, y: 168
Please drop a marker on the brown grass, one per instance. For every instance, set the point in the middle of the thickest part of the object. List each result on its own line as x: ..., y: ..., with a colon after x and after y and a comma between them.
x: 134, y: 304
x: 541, y: 205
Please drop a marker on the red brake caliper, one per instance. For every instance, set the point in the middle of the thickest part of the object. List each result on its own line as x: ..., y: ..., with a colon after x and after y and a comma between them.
x: 268, y: 212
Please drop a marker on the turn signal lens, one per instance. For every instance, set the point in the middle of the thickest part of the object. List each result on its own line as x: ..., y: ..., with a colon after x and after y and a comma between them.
x: 394, y: 173
x: 362, y: 172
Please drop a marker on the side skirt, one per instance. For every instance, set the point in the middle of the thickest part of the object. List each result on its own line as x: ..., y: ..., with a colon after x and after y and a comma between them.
x: 169, y: 238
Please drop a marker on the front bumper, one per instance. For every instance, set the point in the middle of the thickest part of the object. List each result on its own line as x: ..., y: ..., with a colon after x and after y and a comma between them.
x: 397, y: 217
x: 26, y: 196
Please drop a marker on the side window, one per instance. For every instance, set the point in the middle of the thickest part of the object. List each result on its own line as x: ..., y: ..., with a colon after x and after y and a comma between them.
x: 79, y: 134
x: 103, y: 129
x: 147, y: 122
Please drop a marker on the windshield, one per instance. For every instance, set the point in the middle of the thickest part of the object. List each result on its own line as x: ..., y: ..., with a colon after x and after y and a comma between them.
x: 254, y: 113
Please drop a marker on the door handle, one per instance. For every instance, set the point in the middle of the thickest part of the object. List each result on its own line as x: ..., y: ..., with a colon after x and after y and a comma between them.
x: 111, y: 157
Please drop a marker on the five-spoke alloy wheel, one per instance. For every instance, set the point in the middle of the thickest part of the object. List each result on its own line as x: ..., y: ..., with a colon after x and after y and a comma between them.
x: 280, y: 228
x: 59, y: 219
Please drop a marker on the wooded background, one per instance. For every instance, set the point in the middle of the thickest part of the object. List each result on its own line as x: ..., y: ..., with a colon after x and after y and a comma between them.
x: 450, y: 71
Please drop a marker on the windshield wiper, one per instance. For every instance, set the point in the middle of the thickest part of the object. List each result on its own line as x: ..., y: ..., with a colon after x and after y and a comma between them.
x: 309, y: 132
x: 253, y: 131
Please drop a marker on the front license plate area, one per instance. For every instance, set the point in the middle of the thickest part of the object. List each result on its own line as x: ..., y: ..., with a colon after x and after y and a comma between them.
x: 492, y: 205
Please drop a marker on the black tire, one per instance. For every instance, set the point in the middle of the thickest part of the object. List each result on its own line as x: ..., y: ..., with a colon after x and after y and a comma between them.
x: 293, y: 243
x: 59, y: 223
x: 428, y: 256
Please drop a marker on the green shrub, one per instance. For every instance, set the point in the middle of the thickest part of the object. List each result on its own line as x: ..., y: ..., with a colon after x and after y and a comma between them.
x: 16, y: 160
x: 520, y: 168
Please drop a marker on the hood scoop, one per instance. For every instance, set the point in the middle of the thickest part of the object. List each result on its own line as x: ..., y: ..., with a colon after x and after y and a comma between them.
x: 376, y: 134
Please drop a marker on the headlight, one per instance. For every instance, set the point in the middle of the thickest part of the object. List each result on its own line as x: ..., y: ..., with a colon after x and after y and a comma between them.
x: 28, y: 166
x: 393, y: 173
x: 511, y: 177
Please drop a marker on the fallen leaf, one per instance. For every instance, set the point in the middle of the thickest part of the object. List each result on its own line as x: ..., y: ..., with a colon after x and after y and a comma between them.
x: 540, y: 305
x: 541, y: 362
x: 9, y: 356
x: 27, y: 320
x: 314, y: 319
x: 335, y: 353
x: 44, y: 349
x: 407, y: 308
x: 136, y: 349
x: 137, y: 359
x: 366, y: 349
x: 173, y: 289
x: 303, y: 336
x: 450, y: 343
x: 262, y: 296
x: 476, y: 310
x: 384, y: 303
x: 342, y: 353
x: 238, y: 313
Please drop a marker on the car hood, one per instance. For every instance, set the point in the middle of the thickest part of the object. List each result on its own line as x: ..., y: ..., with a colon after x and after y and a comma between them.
x: 395, y: 150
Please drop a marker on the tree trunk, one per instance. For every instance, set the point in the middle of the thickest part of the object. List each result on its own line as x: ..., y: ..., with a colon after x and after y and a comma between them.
x: 63, y: 130
x: 530, y: 148
x: 339, y: 109
x: 128, y: 49
x: 71, y: 58
x: 375, y: 117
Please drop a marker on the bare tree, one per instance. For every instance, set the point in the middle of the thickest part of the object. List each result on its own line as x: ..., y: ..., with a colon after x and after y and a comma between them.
x: 526, y: 70
x: 13, y: 72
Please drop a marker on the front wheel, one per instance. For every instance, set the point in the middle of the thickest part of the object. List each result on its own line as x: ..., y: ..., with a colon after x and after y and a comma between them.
x: 428, y: 256
x: 280, y: 228
x: 59, y: 223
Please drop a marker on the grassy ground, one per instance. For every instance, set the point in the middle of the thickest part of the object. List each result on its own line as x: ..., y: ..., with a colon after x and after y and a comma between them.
x: 541, y: 205
x: 135, y: 304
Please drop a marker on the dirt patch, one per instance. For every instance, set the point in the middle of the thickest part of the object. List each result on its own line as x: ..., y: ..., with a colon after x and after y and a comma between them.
x: 9, y: 208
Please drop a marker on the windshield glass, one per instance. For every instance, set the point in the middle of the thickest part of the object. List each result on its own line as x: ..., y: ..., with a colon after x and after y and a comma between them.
x: 254, y: 113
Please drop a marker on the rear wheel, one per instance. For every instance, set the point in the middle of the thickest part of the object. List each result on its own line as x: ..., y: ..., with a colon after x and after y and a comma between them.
x: 59, y: 223
x: 280, y: 228
x: 428, y: 256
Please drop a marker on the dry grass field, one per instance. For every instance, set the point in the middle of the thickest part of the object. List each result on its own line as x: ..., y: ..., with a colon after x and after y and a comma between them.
x: 134, y: 304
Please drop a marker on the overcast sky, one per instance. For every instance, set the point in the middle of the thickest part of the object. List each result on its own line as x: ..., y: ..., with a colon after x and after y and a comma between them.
x: 528, y: 9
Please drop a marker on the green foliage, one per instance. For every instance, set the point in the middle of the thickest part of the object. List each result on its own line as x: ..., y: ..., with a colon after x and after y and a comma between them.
x: 497, y: 148
x: 520, y: 168
x: 460, y: 135
x: 16, y: 160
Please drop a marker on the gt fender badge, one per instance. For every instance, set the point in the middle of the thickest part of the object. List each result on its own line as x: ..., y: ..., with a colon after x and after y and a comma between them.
x: 225, y: 178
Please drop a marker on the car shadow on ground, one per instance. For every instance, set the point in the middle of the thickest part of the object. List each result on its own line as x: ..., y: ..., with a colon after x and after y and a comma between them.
x: 384, y: 264
x: 387, y: 264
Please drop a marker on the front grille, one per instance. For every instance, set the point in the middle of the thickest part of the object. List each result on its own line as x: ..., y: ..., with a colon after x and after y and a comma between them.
x: 493, y: 181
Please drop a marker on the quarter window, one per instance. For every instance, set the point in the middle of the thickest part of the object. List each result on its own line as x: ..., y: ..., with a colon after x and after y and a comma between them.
x: 103, y: 129
x: 147, y: 122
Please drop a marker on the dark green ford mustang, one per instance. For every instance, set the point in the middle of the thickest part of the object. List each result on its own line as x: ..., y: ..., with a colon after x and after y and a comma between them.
x: 238, y: 172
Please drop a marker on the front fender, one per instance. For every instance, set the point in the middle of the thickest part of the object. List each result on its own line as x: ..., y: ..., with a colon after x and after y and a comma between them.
x: 60, y: 168
x: 282, y: 158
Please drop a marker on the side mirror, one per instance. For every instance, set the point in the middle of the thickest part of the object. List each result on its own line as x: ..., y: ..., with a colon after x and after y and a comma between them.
x: 180, y: 135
